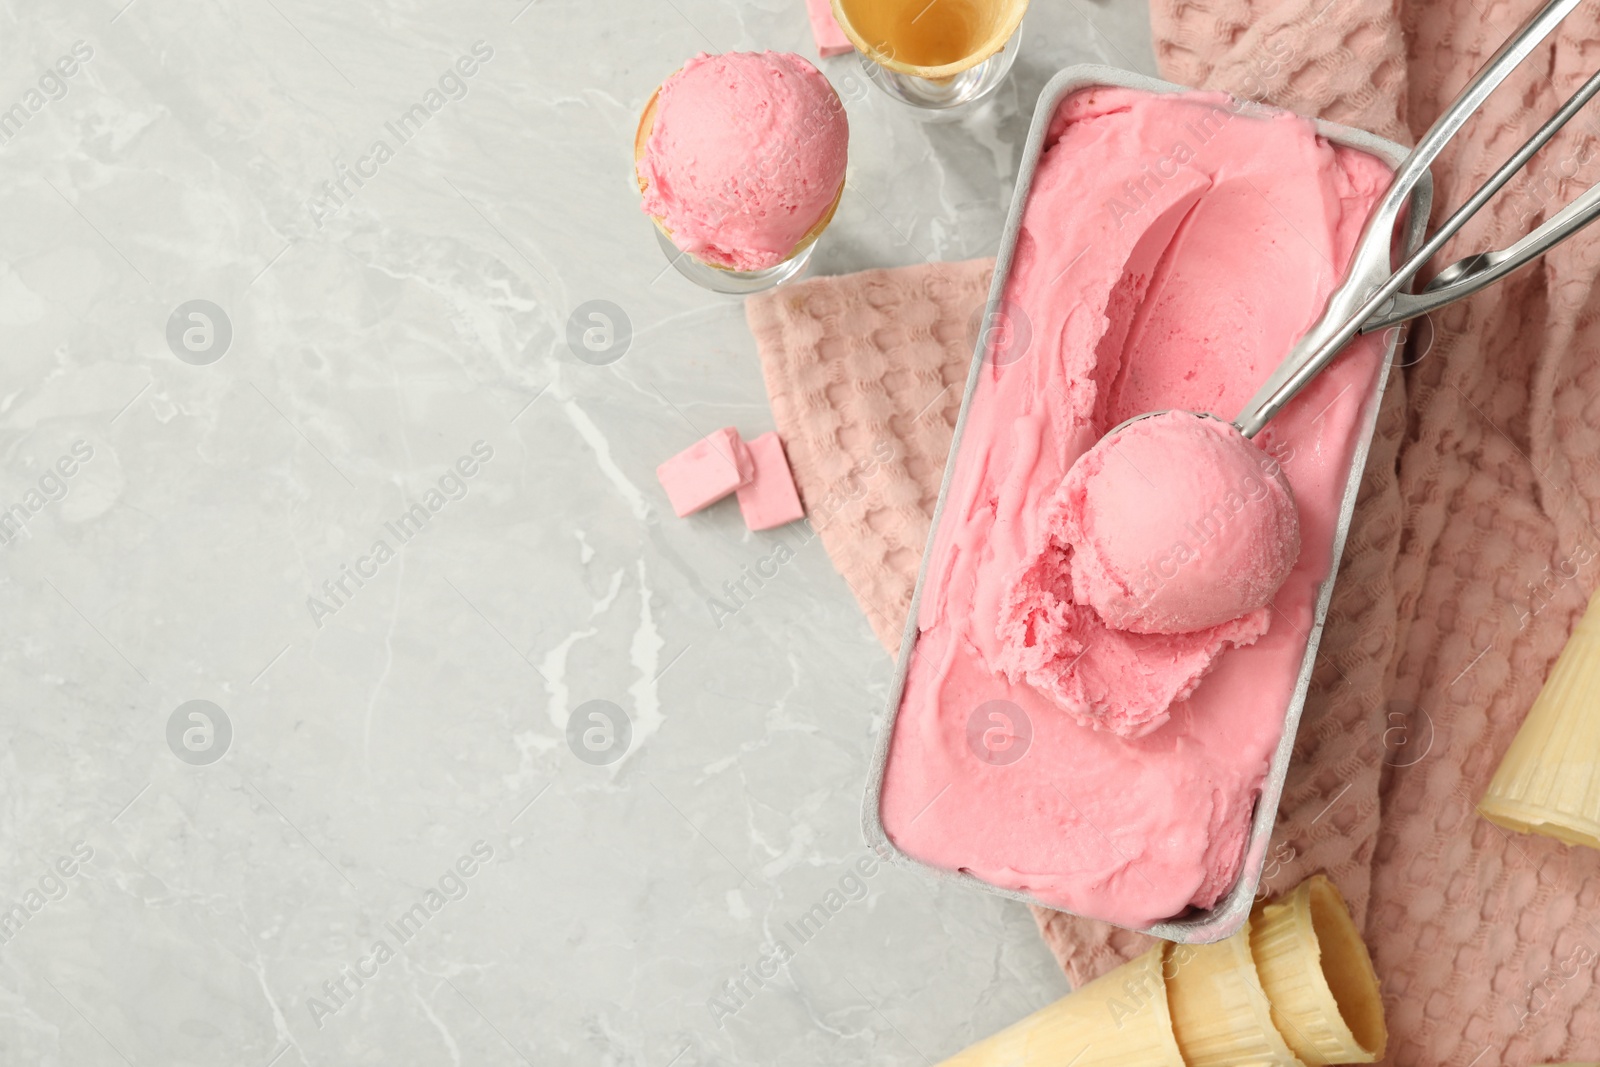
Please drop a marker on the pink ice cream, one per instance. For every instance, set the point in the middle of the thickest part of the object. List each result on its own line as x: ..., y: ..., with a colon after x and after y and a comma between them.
x: 747, y: 154
x: 1176, y: 530
x: 1179, y: 524
x: 1171, y: 252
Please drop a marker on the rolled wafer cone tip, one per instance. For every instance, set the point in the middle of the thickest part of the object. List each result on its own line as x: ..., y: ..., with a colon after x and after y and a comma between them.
x: 1318, y: 975
x: 1549, y: 779
x: 1118, y: 1020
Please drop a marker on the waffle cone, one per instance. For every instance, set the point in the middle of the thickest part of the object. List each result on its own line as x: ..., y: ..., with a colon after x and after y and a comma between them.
x: 1549, y: 781
x: 641, y: 137
x: 903, y: 35
x: 1118, y: 1020
x: 1318, y: 976
x: 1220, y: 1013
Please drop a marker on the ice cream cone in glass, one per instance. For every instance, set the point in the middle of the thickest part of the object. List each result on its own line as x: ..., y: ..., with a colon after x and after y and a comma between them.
x: 739, y: 193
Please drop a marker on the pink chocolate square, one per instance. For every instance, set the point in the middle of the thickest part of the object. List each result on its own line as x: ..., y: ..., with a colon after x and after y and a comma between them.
x: 770, y: 499
x: 831, y: 40
x: 706, y: 471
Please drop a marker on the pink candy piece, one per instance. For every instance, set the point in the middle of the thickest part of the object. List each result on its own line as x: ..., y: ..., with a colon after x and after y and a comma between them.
x: 769, y: 499
x: 707, y: 471
x: 831, y: 40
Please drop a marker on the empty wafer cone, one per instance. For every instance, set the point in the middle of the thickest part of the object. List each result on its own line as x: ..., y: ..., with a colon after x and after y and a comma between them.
x: 1118, y: 1020
x: 929, y: 40
x: 1318, y: 976
x: 1549, y: 781
x: 1220, y: 1013
x: 641, y: 138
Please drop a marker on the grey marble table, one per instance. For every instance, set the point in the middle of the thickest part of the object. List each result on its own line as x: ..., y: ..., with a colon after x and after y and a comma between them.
x: 274, y: 794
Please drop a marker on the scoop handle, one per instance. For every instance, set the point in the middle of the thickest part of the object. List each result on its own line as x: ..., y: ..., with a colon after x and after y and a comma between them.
x: 1461, y: 280
x: 1370, y: 281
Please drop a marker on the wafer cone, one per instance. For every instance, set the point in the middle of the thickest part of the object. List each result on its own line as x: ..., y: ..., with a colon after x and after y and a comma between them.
x: 1549, y: 780
x: 641, y: 137
x: 929, y: 40
x: 1118, y: 1020
x: 1318, y: 976
x: 1220, y: 1013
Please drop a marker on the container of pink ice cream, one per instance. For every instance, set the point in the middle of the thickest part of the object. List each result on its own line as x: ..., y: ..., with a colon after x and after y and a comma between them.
x: 1164, y: 249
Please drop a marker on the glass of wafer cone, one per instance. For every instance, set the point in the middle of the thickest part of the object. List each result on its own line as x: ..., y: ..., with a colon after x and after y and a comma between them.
x: 1549, y: 781
x: 1294, y: 986
x: 711, y: 276
x: 938, y: 55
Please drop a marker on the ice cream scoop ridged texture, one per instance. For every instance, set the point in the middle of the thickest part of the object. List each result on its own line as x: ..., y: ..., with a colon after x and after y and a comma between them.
x: 1171, y: 250
x: 745, y: 156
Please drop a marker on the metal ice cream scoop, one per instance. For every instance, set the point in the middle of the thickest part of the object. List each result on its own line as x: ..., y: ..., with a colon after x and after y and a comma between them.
x: 1370, y: 296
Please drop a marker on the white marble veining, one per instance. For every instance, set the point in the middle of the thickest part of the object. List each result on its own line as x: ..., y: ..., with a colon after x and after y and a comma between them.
x: 398, y: 857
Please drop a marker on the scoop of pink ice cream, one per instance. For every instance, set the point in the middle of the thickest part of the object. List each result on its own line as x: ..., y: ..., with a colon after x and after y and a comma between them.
x: 1108, y: 679
x: 1163, y: 546
x: 1178, y: 524
x: 747, y: 154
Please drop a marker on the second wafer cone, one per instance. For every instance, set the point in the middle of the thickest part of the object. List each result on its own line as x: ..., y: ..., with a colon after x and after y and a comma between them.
x: 1549, y: 781
x: 1220, y: 1013
x: 1318, y: 976
x: 1118, y: 1020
